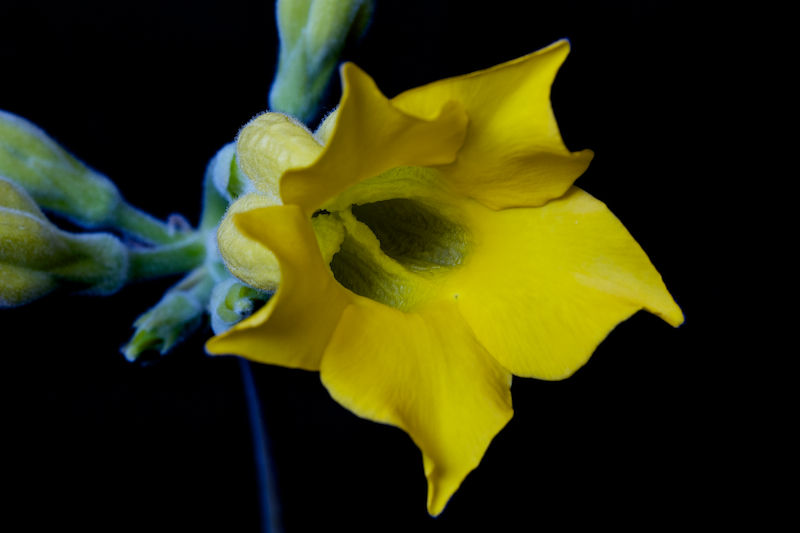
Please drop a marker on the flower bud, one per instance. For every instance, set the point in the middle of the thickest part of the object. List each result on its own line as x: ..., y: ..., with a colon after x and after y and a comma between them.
x: 54, y: 178
x: 232, y: 301
x: 36, y: 257
x: 223, y: 171
x: 177, y: 315
x: 312, y: 35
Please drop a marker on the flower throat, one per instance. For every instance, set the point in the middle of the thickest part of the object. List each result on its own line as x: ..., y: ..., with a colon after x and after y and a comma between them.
x: 394, y: 250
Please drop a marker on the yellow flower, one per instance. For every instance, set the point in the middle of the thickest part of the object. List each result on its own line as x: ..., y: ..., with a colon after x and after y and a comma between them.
x: 426, y: 248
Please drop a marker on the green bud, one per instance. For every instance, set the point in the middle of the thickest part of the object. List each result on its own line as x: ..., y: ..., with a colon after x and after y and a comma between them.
x: 59, y: 182
x: 54, y: 178
x: 223, y: 172
x: 223, y: 183
x: 312, y: 35
x: 176, y: 316
x: 36, y: 257
x: 232, y: 301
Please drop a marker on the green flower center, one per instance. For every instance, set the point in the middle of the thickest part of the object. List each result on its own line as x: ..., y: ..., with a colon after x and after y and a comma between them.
x: 394, y: 250
x: 413, y: 234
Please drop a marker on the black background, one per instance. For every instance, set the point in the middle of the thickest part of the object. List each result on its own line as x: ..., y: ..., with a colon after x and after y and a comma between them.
x: 146, y: 92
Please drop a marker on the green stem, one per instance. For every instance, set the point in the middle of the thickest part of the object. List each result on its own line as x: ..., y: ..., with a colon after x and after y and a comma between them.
x: 146, y: 263
x: 145, y: 227
x: 199, y: 284
x: 265, y: 470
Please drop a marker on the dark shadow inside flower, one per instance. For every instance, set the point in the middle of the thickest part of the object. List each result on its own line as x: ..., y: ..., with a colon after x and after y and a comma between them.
x: 394, y: 249
x: 413, y: 234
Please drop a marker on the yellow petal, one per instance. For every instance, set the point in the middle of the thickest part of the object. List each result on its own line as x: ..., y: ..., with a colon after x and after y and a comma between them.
x: 269, y: 145
x: 294, y: 327
x: 544, y: 286
x: 370, y: 137
x: 513, y: 155
x: 255, y: 264
x: 426, y: 373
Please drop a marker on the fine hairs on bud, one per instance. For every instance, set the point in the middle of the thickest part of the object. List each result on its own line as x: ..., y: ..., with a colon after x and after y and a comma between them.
x: 325, y: 129
x: 290, y: 118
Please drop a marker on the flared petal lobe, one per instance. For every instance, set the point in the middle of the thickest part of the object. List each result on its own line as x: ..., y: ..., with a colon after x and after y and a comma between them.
x: 371, y: 136
x: 295, y: 326
x: 543, y: 287
x: 513, y: 154
x: 426, y: 373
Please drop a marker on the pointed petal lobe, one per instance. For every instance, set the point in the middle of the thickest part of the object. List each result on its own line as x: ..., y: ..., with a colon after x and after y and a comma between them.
x: 370, y: 137
x: 426, y: 373
x: 513, y: 155
x: 543, y: 287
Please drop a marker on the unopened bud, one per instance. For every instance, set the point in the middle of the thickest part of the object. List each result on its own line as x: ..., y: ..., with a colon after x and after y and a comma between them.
x: 56, y: 180
x: 312, y: 35
x: 36, y: 257
x: 176, y: 316
x: 223, y: 171
x: 232, y: 302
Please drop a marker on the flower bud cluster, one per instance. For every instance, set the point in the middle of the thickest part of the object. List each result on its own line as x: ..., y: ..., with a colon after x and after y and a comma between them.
x: 36, y: 173
x: 209, y: 288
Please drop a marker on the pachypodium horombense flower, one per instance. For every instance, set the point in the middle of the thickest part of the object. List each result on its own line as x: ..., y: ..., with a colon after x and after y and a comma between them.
x: 424, y: 249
